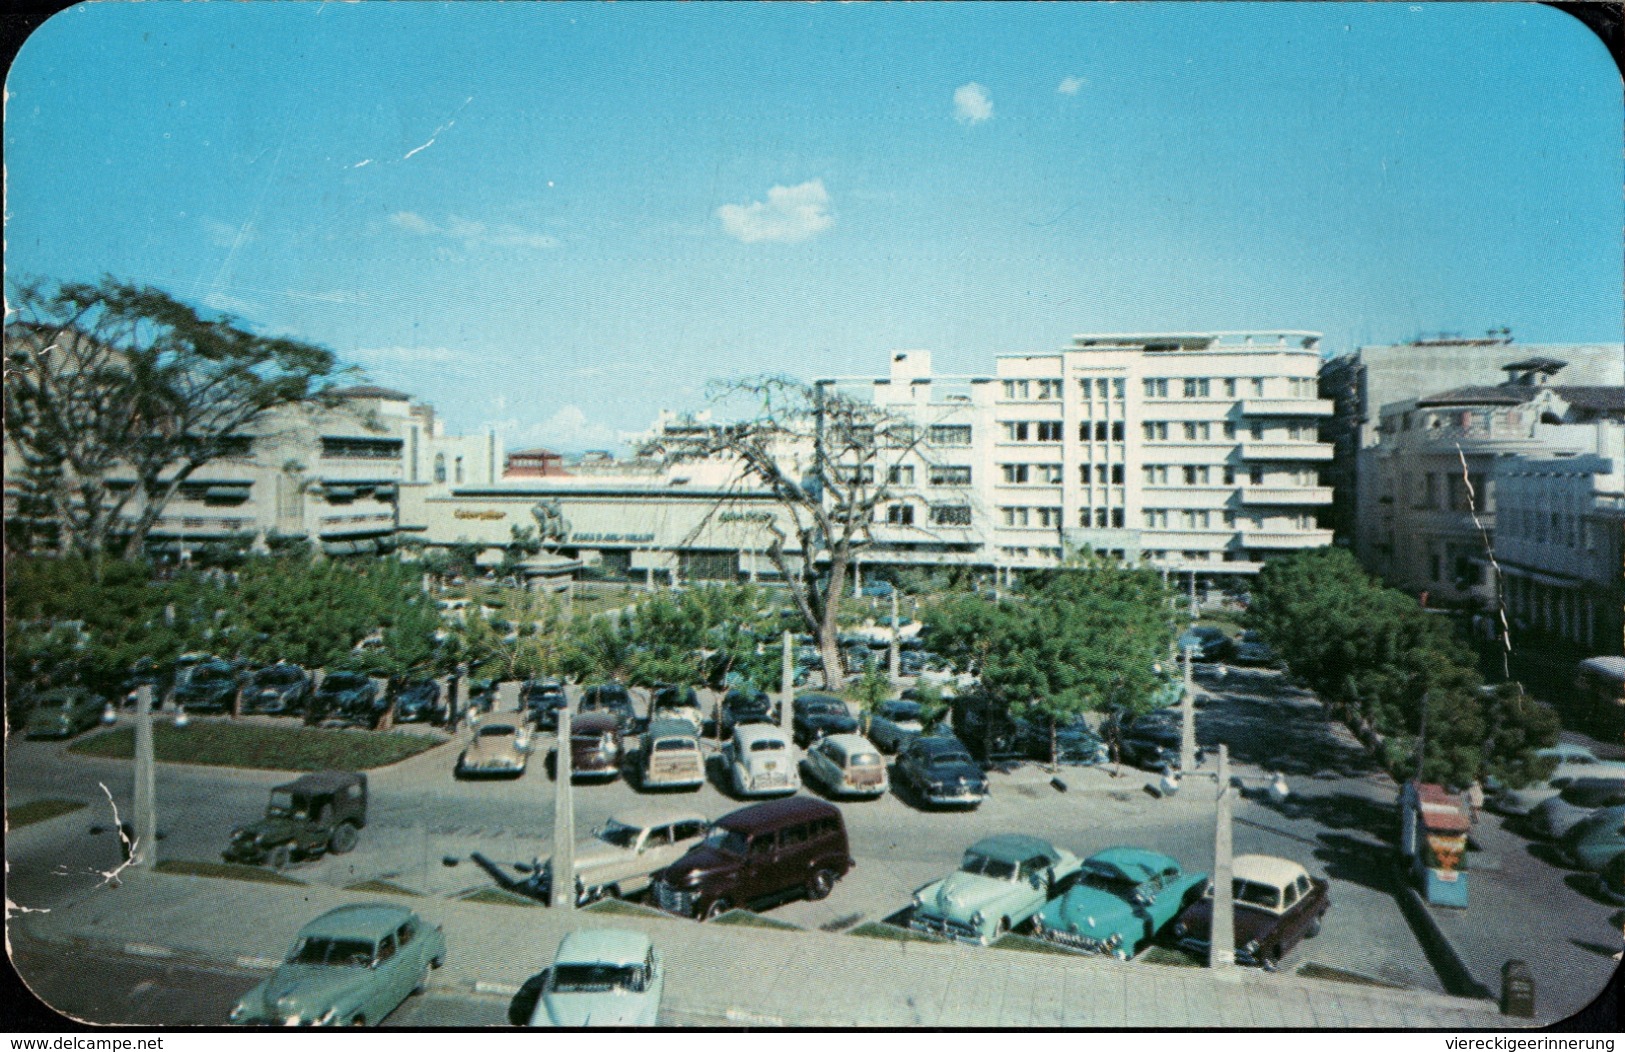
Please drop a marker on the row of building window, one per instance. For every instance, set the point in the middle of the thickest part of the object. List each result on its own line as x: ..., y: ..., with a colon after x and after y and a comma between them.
x: 1433, y: 487
x: 939, y: 514
x: 1203, y: 431
x: 361, y: 448
x: 1104, y: 387
x: 1561, y: 528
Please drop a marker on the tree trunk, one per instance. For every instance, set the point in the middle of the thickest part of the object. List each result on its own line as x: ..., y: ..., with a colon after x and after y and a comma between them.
x: 1054, y: 746
x: 237, y: 703
x: 829, y: 629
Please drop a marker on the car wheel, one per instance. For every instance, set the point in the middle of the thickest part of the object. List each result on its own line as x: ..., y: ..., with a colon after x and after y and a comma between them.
x: 359, y: 1020
x: 1313, y: 929
x: 343, y: 839
x: 820, y: 884
x: 279, y: 857
x: 717, y: 909
x: 1272, y: 959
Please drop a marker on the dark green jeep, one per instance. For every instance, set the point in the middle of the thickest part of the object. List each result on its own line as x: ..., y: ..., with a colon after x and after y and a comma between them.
x: 306, y: 818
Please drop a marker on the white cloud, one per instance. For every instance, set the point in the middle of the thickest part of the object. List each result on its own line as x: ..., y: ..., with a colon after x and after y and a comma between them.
x: 790, y: 214
x: 1071, y: 85
x: 567, y: 431
x: 474, y: 234
x: 972, y: 104
x: 406, y: 355
x: 225, y: 304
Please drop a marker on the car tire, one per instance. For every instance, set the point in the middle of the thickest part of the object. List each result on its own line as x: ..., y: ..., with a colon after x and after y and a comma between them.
x: 344, y: 838
x: 820, y: 884
x: 359, y: 1020
x: 717, y: 908
x: 1313, y: 929
x: 279, y: 857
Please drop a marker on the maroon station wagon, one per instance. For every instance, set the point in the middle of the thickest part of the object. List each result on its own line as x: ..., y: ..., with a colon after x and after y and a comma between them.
x: 595, y: 745
x: 759, y: 854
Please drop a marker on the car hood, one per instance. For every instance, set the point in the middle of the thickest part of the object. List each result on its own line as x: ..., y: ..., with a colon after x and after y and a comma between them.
x: 309, y: 990
x: 699, y: 860
x: 594, y: 1009
x: 594, y: 854
x: 270, y: 828
x: 205, y: 690
x: 1088, y: 911
x: 961, y: 894
x: 830, y: 721
x: 492, y: 749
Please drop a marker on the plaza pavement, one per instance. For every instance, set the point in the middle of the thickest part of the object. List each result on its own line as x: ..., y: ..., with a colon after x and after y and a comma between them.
x: 746, y: 976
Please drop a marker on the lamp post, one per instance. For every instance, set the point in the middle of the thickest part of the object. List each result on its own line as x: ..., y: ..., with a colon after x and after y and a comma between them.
x: 894, y: 667
x: 564, y: 832
x: 1187, y: 718
x: 787, y: 684
x: 144, y: 844
x: 1222, y: 933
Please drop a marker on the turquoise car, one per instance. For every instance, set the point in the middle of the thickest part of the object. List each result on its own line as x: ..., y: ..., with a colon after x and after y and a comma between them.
x: 1002, y: 881
x: 1596, y: 839
x: 351, y: 966
x: 602, y: 977
x: 1119, y: 901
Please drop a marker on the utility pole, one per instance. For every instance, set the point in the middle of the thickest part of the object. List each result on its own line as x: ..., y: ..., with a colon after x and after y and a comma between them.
x: 895, y: 663
x: 144, y: 849
x: 787, y: 683
x: 564, y: 825
x: 1222, y: 930
x: 1187, y: 720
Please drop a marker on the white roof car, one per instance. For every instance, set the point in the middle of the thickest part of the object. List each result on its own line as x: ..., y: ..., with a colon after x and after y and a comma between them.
x: 761, y: 760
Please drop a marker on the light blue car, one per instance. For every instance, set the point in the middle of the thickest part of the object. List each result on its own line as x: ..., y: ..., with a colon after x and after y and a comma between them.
x: 602, y: 977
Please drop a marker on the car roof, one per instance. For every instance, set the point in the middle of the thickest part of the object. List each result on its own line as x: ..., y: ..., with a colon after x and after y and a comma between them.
x: 851, y: 743
x: 502, y: 719
x: 1134, y: 863
x: 615, y: 946
x: 1266, y: 869
x: 323, y: 782
x: 819, y: 695
x: 938, y: 743
x: 1563, y: 750
x: 670, y: 728
x: 594, y: 721
x: 774, y: 813
x: 746, y: 732
x: 1014, y: 847
x: 359, y: 920
x: 643, y: 817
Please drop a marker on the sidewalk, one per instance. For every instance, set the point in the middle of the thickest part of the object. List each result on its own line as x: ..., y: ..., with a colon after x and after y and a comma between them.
x: 758, y: 977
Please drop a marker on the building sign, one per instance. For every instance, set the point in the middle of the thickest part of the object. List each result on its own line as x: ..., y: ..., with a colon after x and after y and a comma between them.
x: 463, y: 513
x: 745, y: 516
x: 611, y: 538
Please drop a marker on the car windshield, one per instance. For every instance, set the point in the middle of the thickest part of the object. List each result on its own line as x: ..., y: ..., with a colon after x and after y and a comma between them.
x: 947, y: 759
x: 730, y: 841
x: 350, y: 953
x: 767, y: 745
x: 823, y: 706
x: 342, y: 681
x: 286, y: 805
x: 211, y: 674
x: 591, y: 978
x: 499, y: 730
x: 1255, y: 894
x: 279, y: 677
x: 617, y: 834
x: 863, y: 759
x: 998, y: 869
x: 900, y: 711
x: 674, y: 745
x: 1107, y: 878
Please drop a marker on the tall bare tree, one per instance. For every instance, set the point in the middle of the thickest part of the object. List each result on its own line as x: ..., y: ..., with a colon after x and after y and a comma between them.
x: 114, y: 377
x: 822, y: 457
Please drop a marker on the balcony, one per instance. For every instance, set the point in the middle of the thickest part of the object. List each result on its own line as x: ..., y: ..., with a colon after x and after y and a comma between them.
x: 349, y: 525
x: 1285, y: 538
x: 1286, y: 407
x: 1285, y: 451
x: 1262, y: 496
x: 198, y: 527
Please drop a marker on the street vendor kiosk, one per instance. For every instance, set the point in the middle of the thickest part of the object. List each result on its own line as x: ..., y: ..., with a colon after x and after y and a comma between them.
x: 1433, y: 835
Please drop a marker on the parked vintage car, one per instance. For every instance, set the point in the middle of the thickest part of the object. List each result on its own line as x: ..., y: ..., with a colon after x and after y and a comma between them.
x: 351, y: 966
x: 940, y: 772
x: 677, y: 703
x: 1001, y: 882
x: 541, y: 699
x: 611, y: 698
x: 305, y: 818
x: 210, y: 686
x: 145, y: 672
x: 595, y: 746
x: 1573, y: 762
x: 669, y: 756
x: 894, y: 723
x: 761, y: 761
x: 815, y: 715
x: 1208, y: 642
x: 421, y: 701
x: 1121, y: 898
x: 1555, y: 817
x: 986, y: 727
x: 501, y: 746
x: 1075, y: 744
x: 1252, y: 650
x: 282, y: 689
x: 758, y: 854
x: 1595, y: 840
x: 1611, y: 879
x: 348, y: 697
x: 602, y: 977
x: 847, y: 765
x: 1277, y: 905
x: 623, y: 853
x: 747, y: 706
x: 63, y: 712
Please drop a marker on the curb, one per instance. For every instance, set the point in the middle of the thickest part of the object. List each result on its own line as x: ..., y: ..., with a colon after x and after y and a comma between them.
x: 1447, y: 961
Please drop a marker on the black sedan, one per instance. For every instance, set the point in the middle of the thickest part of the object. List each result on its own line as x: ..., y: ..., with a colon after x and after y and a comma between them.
x: 281, y: 690
x: 894, y: 724
x: 1074, y: 743
x: 542, y: 699
x: 348, y: 697
x: 211, y: 687
x: 420, y: 701
x: 939, y: 771
x: 818, y: 715
x: 747, y: 706
x: 613, y: 699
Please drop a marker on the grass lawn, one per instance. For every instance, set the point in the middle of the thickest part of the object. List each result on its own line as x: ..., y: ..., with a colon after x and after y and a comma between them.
x: 497, y: 897
x: 226, y: 744
x: 226, y: 870
x: 625, y: 909
x: 880, y: 930
x: 746, y: 919
x: 1028, y: 945
x: 1169, y: 956
x: 40, y: 810
x: 383, y: 887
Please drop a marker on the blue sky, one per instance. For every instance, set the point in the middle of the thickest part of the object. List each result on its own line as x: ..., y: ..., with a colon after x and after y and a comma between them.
x: 559, y: 218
